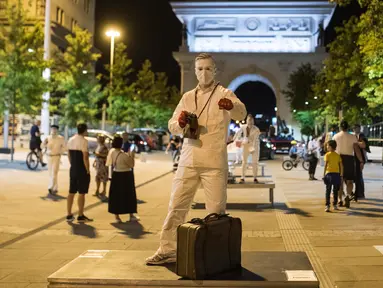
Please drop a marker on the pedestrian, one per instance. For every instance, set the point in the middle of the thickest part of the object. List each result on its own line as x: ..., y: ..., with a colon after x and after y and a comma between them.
x: 204, y: 152
x: 333, y: 171
x: 313, y: 151
x: 122, y: 192
x: 55, y: 145
x: 79, y: 172
x: 250, y: 145
x: 35, y: 141
x: 347, y: 145
x: 100, y: 165
x: 364, y: 148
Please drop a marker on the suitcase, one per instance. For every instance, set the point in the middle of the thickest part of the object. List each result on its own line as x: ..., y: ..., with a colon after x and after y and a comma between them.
x: 209, y: 246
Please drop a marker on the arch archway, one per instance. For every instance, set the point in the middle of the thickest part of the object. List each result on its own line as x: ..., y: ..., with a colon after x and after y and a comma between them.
x: 259, y: 99
x: 234, y: 85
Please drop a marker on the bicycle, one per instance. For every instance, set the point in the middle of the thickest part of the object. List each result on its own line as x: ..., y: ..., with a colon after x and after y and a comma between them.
x: 289, y: 164
x: 33, y: 159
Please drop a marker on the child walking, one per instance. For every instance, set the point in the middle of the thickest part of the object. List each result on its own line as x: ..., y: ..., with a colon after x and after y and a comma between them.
x: 333, y: 171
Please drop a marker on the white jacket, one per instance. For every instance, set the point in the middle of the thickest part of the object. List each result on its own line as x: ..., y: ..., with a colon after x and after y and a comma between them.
x: 253, y: 136
x: 214, y: 122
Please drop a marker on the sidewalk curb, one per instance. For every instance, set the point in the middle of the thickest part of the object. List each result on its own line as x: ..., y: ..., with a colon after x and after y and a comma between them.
x: 57, y: 221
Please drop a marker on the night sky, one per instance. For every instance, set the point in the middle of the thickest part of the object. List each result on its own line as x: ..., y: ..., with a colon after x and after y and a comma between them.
x: 151, y: 31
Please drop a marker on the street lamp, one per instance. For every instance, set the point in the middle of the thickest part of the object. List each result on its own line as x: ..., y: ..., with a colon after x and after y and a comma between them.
x: 112, y: 34
x: 327, y: 90
x: 307, y: 103
x: 315, y: 97
x: 45, y: 123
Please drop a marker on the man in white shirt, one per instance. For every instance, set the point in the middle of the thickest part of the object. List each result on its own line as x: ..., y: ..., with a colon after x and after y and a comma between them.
x: 204, y: 152
x: 347, y: 145
x: 79, y: 173
x: 249, y: 134
x: 55, y: 144
x: 313, y: 152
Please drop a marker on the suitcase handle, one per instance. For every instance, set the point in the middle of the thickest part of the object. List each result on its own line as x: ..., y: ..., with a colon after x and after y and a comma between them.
x: 213, y: 217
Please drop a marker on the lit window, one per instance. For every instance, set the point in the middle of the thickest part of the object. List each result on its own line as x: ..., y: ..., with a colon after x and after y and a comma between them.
x: 74, y: 24
x: 60, y: 16
x: 86, y: 6
x: 40, y: 7
x: 3, y: 6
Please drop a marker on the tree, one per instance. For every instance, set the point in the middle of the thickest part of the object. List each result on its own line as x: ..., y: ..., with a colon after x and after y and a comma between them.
x: 77, y: 81
x: 370, y: 26
x: 338, y: 85
x: 121, y: 92
x: 300, y: 95
x: 155, y: 99
x: 22, y: 64
x: 371, y: 48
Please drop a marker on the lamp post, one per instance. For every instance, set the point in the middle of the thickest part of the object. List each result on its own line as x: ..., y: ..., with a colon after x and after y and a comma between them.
x: 47, y: 72
x: 112, y: 34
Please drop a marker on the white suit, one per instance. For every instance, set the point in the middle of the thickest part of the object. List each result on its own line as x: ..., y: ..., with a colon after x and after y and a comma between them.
x: 250, y: 146
x: 55, y: 147
x: 203, y: 162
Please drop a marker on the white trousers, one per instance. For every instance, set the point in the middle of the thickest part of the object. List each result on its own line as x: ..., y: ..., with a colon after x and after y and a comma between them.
x: 185, y: 184
x: 254, y: 160
x: 53, y: 170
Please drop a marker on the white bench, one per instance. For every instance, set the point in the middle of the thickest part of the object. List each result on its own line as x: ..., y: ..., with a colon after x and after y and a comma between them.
x: 266, y: 185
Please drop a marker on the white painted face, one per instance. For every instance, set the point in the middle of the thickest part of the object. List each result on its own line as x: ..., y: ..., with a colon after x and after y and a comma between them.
x: 250, y: 121
x: 205, y: 71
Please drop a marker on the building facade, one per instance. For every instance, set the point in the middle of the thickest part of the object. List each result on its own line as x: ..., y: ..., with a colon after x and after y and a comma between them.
x: 253, y: 41
x: 65, y: 14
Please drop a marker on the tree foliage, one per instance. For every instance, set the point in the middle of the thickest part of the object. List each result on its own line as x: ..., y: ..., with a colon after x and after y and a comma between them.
x: 299, y: 88
x: 300, y: 95
x: 338, y: 85
x: 77, y: 81
x: 147, y: 101
x: 120, y: 92
x: 367, y: 34
x: 21, y: 62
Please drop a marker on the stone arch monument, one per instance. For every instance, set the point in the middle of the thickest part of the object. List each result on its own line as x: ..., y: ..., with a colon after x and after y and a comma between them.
x: 257, y: 40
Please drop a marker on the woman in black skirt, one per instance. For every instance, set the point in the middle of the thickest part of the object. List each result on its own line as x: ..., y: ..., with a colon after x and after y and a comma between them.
x: 122, y: 193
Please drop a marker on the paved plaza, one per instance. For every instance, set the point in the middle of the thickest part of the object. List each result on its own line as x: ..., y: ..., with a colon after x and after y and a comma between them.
x: 343, y: 246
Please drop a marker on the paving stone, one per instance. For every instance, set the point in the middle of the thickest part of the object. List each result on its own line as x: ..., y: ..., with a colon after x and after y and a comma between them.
x: 356, y: 261
x: 263, y: 244
x: 364, y: 284
x: 5, y: 271
x: 14, y: 285
x: 355, y: 273
x: 345, y: 243
x: 346, y: 252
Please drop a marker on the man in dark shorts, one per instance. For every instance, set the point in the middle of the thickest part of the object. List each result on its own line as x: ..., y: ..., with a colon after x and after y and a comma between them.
x: 79, y: 172
x: 347, y: 147
x: 35, y: 142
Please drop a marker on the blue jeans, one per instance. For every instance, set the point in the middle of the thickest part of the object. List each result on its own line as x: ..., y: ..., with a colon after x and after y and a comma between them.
x: 332, y: 181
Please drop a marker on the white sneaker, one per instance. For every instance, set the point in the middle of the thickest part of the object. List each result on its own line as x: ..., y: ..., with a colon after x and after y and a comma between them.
x: 327, y: 209
x: 336, y: 207
x: 160, y: 259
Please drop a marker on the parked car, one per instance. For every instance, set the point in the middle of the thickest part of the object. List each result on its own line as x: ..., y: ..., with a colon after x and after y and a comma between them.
x: 92, y: 139
x: 162, y: 141
x: 140, y: 144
